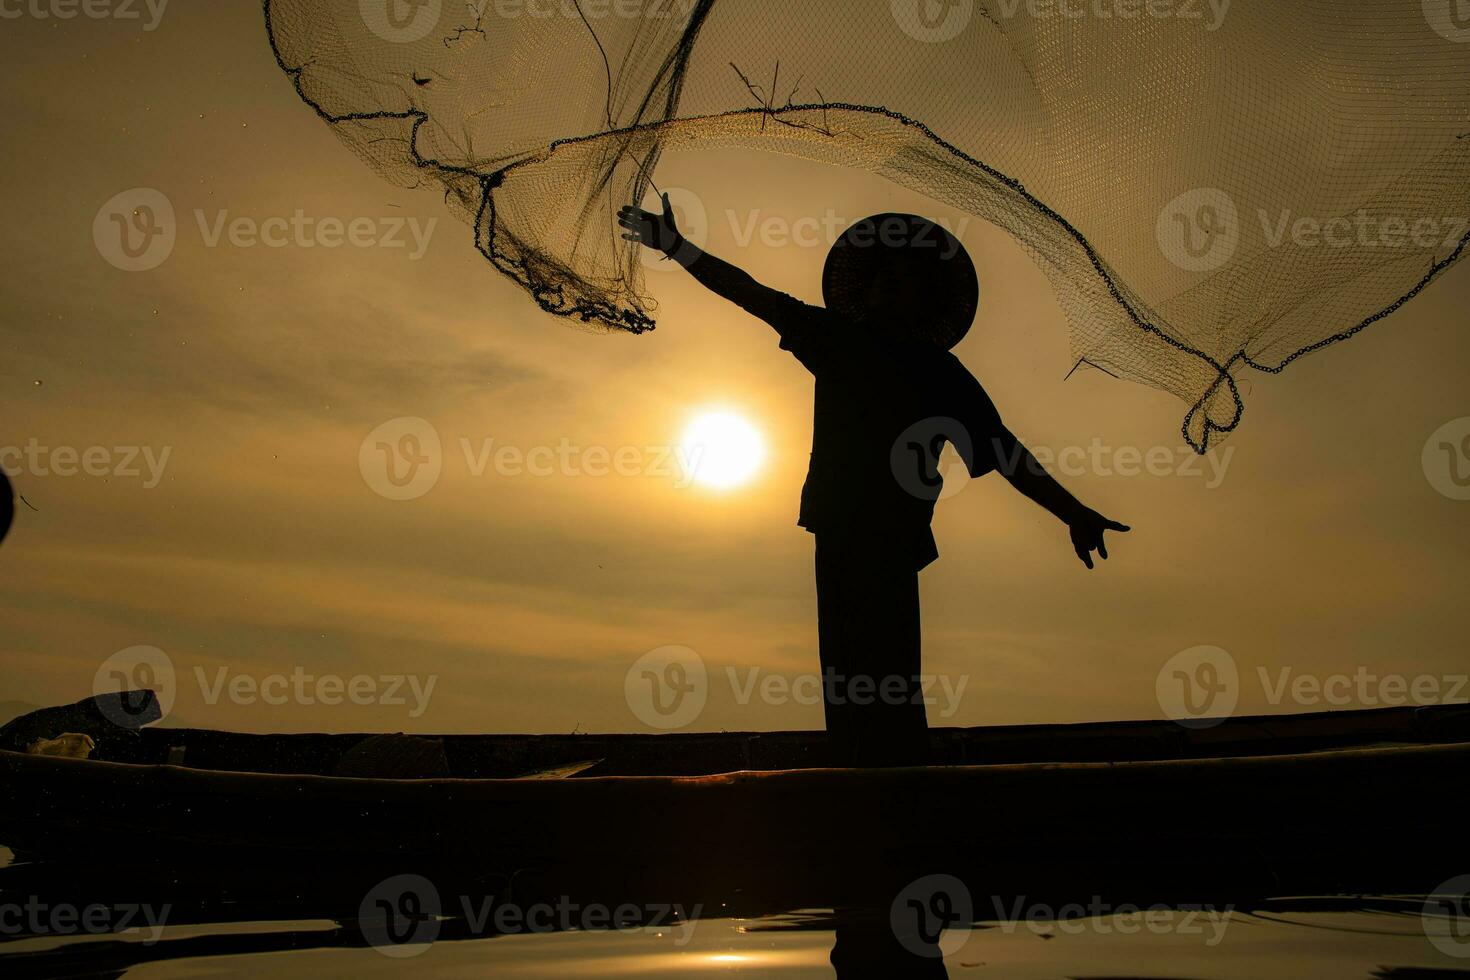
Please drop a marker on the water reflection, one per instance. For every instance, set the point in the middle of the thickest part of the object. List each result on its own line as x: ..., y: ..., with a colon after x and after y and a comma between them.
x: 59, y: 921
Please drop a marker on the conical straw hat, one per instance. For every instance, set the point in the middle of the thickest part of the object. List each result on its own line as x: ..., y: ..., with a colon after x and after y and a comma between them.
x: 906, y: 273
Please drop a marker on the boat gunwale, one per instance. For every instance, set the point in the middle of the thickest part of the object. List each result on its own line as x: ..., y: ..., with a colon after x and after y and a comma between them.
x: 12, y: 763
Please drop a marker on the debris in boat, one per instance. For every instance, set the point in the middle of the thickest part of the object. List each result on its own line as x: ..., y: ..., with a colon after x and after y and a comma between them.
x: 562, y: 772
x: 113, y: 719
x: 395, y: 756
x: 69, y: 745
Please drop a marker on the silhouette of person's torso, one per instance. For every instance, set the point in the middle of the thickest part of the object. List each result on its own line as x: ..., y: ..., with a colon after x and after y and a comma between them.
x: 883, y: 409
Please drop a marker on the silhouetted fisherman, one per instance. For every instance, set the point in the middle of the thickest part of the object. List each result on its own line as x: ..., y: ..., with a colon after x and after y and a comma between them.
x: 900, y: 292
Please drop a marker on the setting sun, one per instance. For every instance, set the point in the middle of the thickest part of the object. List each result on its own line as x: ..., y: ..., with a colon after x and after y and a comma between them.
x: 723, y: 450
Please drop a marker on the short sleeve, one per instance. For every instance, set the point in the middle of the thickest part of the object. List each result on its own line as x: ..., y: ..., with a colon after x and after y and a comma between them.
x: 991, y: 443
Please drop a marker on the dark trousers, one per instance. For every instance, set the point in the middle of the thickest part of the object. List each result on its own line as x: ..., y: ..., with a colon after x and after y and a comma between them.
x: 869, y: 641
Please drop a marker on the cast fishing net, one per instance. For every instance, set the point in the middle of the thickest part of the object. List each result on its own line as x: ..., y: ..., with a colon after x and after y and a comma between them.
x: 1211, y: 188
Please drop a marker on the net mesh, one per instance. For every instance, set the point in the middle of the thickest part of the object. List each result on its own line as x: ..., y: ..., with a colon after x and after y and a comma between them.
x: 1210, y: 188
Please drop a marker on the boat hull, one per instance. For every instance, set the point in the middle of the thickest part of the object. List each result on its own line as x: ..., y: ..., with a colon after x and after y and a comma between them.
x: 1376, y: 810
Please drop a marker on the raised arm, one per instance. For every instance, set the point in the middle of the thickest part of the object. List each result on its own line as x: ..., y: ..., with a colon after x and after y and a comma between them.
x: 987, y: 444
x: 661, y: 233
x: 1026, y: 474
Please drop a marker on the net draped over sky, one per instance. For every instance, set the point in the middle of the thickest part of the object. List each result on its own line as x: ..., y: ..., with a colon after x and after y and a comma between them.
x: 1211, y: 188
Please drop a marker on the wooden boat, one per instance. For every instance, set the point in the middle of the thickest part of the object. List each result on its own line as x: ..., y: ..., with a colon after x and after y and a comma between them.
x: 1253, y: 799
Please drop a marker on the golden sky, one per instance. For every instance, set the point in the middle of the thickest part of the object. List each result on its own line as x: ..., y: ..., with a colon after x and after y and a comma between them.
x: 1313, y: 541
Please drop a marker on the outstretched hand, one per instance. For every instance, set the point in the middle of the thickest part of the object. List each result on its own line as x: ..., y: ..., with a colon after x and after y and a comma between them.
x: 659, y: 231
x: 1087, y: 535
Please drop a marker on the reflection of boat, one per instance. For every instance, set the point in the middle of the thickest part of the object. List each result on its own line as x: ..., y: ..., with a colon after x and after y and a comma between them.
x: 1379, y: 792
x: 231, y: 914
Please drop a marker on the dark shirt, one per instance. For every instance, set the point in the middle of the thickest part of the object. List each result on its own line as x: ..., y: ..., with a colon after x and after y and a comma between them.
x: 883, y: 410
